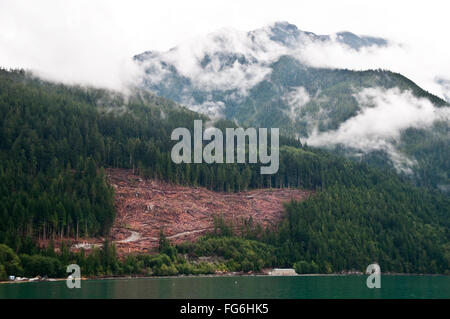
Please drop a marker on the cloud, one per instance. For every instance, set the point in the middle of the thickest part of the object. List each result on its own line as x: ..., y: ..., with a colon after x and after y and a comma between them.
x: 384, y: 115
x: 445, y: 86
x: 67, y: 41
x: 295, y: 100
x: 210, y: 108
x: 414, y: 61
x: 227, y: 59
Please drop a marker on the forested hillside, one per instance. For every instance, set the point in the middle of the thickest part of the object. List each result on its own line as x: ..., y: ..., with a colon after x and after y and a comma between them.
x: 55, y: 140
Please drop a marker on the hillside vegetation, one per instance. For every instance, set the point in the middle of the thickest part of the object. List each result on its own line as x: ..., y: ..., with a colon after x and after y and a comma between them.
x: 55, y: 141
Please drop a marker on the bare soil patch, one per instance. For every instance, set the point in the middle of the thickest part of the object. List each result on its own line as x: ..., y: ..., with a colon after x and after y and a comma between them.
x: 144, y: 207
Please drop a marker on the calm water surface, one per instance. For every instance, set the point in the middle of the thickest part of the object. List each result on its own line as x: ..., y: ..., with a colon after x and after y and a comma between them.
x: 237, y: 287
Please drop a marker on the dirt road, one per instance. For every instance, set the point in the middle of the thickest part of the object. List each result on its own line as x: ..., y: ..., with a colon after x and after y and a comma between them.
x: 135, y: 236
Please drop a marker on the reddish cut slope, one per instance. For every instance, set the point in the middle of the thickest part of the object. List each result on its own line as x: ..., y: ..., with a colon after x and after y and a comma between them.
x: 144, y: 207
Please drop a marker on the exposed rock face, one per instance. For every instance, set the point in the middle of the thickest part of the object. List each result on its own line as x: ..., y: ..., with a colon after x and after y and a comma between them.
x: 144, y: 207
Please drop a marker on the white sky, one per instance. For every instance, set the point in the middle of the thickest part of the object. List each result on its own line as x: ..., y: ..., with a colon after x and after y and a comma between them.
x: 92, y: 41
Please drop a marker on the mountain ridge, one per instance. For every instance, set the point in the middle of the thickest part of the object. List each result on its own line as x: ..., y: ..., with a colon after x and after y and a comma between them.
x: 263, y: 78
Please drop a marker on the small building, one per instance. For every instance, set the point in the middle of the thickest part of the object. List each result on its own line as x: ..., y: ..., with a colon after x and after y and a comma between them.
x: 12, y: 278
x: 282, y: 272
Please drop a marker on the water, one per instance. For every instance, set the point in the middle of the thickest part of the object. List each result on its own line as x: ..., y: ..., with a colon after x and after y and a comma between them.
x: 237, y: 287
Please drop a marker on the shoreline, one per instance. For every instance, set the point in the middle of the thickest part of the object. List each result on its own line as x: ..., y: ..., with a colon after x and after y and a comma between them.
x: 218, y: 275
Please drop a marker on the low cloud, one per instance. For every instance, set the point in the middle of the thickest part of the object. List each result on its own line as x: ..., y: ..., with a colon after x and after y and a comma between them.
x: 224, y: 60
x: 419, y: 62
x: 384, y: 115
x: 295, y: 100
x: 212, y: 109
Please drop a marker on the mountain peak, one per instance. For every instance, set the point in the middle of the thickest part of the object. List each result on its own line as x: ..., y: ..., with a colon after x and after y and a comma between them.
x: 284, y: 26
x: 289, y: 34
x: 356, y: 42
x: 284, y: 32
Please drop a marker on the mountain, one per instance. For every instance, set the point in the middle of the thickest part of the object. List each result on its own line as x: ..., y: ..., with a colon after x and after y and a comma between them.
x: 265, y: 78
x: 210, y: 73
x: 56, y: 142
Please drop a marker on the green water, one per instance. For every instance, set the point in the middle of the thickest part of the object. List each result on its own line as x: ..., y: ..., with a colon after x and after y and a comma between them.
x: 237, y: 287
